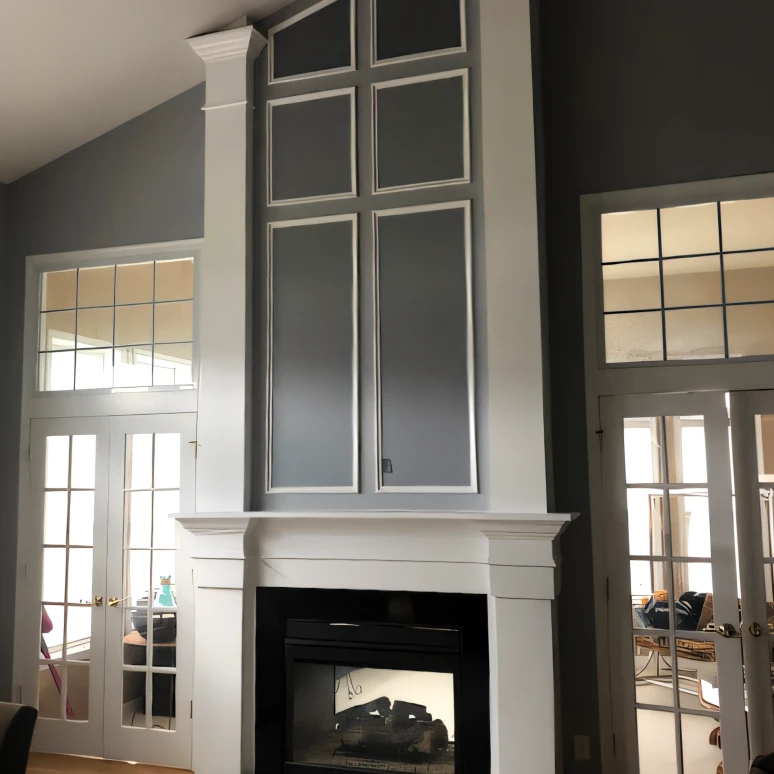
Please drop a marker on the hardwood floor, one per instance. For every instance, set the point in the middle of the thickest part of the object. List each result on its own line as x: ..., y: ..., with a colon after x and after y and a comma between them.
x: 48, y: 763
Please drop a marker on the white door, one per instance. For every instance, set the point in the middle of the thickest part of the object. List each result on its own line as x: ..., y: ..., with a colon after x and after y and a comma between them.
x: 149, y: 622
x: 674, y: 615
x: 65, y: 545
x: 99, y: 549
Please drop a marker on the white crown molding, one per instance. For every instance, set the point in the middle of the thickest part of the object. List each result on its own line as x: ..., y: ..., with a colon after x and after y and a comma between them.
x: 240, y: 43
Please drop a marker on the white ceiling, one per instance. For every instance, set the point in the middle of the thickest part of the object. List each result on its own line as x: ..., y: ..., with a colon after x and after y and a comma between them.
x: 71, y: 70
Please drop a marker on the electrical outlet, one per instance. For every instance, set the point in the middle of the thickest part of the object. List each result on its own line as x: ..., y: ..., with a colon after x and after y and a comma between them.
x: 582, y: 748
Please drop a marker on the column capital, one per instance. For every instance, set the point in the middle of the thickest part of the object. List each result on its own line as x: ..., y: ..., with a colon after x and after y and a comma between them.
x: 240, y: 43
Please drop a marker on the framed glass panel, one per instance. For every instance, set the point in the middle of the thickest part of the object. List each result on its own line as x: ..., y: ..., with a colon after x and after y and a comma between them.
x: 134, y: 283
x: 629, y: 236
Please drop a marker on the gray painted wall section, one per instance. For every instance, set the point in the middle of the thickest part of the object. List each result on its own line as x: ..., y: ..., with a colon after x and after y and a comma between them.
x: 141, y: 182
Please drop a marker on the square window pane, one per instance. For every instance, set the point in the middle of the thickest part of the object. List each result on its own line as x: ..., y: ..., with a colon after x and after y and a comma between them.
x: 750, y: 330
x: 694, y: 334
x: 78, y: 691
x: 56, y: 371
x: 79, y: 575
x: 55, y: 518
x: 95, y: 327
x: 749, y: 276
x: 633, y: 338
x: 58, y: 290
x: 54, y: 574
x: 653, y: 674
x: 93, y: 369
x: 650, y: 597
x: 164, y: 594
x: 137, y: 578
x: 627, y: 236
x: 174, y: 279
x: 83, y: 475
x: 137, y: 519
x: 647, y: 522
x: 748, y: 224
x: 690, y: 230
x: 692, y: 281
x: 81, y: 518
x: 656, y: 742
x: 686, y: 452
x: 134, y: 324
x: 167, y: 461
x: 52, y: 626
x: 133, y: 366
x: 693, y: 592
x: 57, y: 331
x: 174, y: 322
x: 78, y: 632
x: 139, y: 461
x: 57, y: 461
x: 172, y: 364
x: 95, y: 286
x: 642, y: 450
x: 134, y: 283
x: 629, y: 286
x: 164, y: 503
x: 689, y: 516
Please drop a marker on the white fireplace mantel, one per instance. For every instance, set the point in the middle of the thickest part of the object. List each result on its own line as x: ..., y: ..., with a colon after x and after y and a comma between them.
x: 509, y: 557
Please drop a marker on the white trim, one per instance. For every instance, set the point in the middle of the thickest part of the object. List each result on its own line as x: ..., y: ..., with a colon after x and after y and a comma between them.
x: 351, y: 91
x: 464, y: 74
x: 239, y: 43
x: 317, y: 73
x: 354, y: 488
x: 471, y: 488
x: 375, y: 62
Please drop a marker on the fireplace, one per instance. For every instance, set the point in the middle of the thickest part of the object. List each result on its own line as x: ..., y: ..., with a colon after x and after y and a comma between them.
x: 363, y: 681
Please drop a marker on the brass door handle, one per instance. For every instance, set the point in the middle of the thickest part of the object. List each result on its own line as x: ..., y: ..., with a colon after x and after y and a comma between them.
x: 115, y: 601
x: 755, y: 629
x: 727, y: 630
x: 98, y: 601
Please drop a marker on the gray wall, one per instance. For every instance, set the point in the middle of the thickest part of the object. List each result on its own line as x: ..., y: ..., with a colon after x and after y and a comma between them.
x: 633, y: 95
x: 141, y: 182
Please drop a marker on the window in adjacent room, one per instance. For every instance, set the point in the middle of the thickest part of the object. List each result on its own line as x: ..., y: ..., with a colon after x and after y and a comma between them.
x: 689, y: 283
x: 125, y: 325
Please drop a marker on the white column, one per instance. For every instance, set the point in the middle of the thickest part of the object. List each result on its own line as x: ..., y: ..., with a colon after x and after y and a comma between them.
x: 223, y: 289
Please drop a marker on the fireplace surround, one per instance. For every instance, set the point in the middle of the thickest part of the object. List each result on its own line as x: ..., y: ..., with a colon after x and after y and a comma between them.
x: 361, y: 681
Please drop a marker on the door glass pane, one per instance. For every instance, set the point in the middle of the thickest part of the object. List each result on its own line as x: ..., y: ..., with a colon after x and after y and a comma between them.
x: 686, y: 453
x: 79, y: 575
x: 653, y: 675
x: 54, y: 561
x: 134, y: 699
x: 650, y: 595
x: 701, y: 753
x: 82, y: 518
x: 167, y: 461
x: 164, y: 701
x: 84, y: 461
x: 138, y: 517
x: 137, y: 577
x: 693, y: 595
x: 656, y: 741
x: 77, y: 692
x: 78, y: 633
x: 55, y: 518
x: 164, y: 592
x: 165, y: 503
x: 689, y: 517
x: 165, y: 639
x: 642, y: 444
x: 50, y: 686
x: 52, y: 629
x: 647, y: 523
x: 135, y: 631
x: 697, y: 665
x: 139, y: 461
x: 57, y: 461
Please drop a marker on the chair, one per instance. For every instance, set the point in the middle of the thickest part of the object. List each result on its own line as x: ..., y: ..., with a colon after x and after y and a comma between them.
x: 17, y: 722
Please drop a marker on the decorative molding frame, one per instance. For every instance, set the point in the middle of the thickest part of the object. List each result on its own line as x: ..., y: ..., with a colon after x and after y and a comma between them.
x: 228, y: 44
x: 464, y: 74
x: 319, y: 73
x: 355, y: 487
x: 472, y: 488
x: 375, y: 62
x: 351, y: 194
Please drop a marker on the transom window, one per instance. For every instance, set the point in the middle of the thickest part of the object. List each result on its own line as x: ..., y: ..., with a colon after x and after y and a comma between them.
x: 125, y: 325
x: 689, y: 283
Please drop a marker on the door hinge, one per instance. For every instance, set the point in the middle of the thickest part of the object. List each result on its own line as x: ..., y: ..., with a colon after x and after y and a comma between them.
x: 191, y: 709
x: 614, y: 749
x: 196, y: 449
x: 607, y: 588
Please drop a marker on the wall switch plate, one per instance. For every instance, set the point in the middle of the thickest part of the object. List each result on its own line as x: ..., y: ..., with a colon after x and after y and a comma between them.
x: 582, y: 748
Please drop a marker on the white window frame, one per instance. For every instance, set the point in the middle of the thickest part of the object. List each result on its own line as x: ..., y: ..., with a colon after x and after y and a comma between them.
x: 461, y: 49
x: 316, y: 73
x: 603, y: 379
x: 464, y: 74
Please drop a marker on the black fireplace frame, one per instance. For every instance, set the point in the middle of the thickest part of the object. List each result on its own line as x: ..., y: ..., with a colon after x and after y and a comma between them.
x: 459, y: 644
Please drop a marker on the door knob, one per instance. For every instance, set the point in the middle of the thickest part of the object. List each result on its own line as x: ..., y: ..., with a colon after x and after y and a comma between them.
x: 115, y: 601
x: 727, y: 630
x: 98, y: 601
x: 755, y: 629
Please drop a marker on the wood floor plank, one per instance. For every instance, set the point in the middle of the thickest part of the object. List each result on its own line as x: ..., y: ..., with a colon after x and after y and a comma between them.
x: 50, y: 763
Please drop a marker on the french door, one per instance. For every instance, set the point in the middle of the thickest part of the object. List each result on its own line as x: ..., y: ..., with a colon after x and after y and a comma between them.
x: 110, y: 599
x: 683, y: 691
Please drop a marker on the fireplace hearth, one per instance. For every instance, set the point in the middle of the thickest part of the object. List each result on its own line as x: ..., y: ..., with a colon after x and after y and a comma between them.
x: 363, y: 681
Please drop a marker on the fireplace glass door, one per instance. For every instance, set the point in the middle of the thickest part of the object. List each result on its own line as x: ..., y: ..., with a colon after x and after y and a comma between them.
x: 399, y: 720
